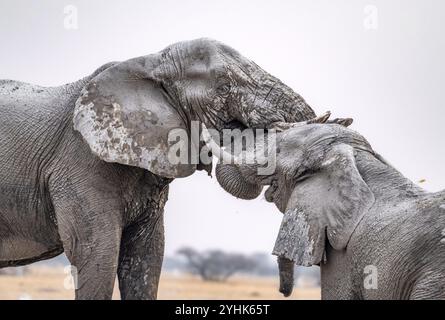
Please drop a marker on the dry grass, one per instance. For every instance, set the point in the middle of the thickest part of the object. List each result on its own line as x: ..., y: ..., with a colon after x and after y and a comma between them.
x: 46, y: 283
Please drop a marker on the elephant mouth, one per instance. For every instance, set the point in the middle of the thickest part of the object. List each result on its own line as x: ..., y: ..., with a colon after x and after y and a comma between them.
x: 234, y: 124
x: 276, y: 195
x: 271, y: 193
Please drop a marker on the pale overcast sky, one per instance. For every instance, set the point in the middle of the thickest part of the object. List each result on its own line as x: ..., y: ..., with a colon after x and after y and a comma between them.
x: 389, y: 79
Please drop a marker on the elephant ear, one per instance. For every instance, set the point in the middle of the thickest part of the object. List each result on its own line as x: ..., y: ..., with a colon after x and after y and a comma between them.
x: 125, y: 116
x: 330, y: 202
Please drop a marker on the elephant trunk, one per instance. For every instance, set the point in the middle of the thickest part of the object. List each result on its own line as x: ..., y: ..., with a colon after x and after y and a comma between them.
x: 275, y: 102
x: 286, y: 268
x: 231, y: 173
x: 297, y: 108
x: 231, y: 179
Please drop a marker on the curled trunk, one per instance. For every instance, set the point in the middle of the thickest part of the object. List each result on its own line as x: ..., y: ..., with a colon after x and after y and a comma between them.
x: 232, y: 180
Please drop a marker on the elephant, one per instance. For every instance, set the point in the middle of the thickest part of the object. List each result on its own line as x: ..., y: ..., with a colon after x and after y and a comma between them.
x: 373, y: 232
x: 84, y: 167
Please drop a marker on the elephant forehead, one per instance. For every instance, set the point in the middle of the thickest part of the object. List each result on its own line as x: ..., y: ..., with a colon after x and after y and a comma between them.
x: 310, y: 131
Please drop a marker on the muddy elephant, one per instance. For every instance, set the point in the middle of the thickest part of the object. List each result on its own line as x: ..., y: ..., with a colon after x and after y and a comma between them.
x: 374, y: 233
x: 84, y: 167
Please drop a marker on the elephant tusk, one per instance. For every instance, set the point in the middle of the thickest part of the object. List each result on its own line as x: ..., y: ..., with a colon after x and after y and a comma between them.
x: 282, y: 126
x: 345, y: 122
x: 219, y: 152
x: 320, y: 119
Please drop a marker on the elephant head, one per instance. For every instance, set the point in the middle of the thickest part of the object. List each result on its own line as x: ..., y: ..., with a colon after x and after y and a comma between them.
x: 126, y: 112
x: 318, y: 187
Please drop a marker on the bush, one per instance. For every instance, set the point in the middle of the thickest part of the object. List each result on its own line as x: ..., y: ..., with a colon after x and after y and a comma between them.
x: 216, y: 265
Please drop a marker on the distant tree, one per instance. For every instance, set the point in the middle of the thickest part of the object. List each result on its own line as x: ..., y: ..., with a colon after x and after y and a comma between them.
x: 215, y: 265
x: 265, y: 264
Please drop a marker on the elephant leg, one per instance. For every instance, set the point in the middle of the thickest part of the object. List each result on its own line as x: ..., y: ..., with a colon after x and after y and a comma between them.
x: 141, y: 256
x: 91, y: 238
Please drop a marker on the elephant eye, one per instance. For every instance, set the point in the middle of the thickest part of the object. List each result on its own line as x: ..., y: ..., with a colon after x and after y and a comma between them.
x: 304, y: 175
x: 223, y: 89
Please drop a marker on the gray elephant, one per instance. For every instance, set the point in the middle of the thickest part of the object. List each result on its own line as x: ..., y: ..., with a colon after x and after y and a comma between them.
x: 375, y: 234
x: 84, y: 167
